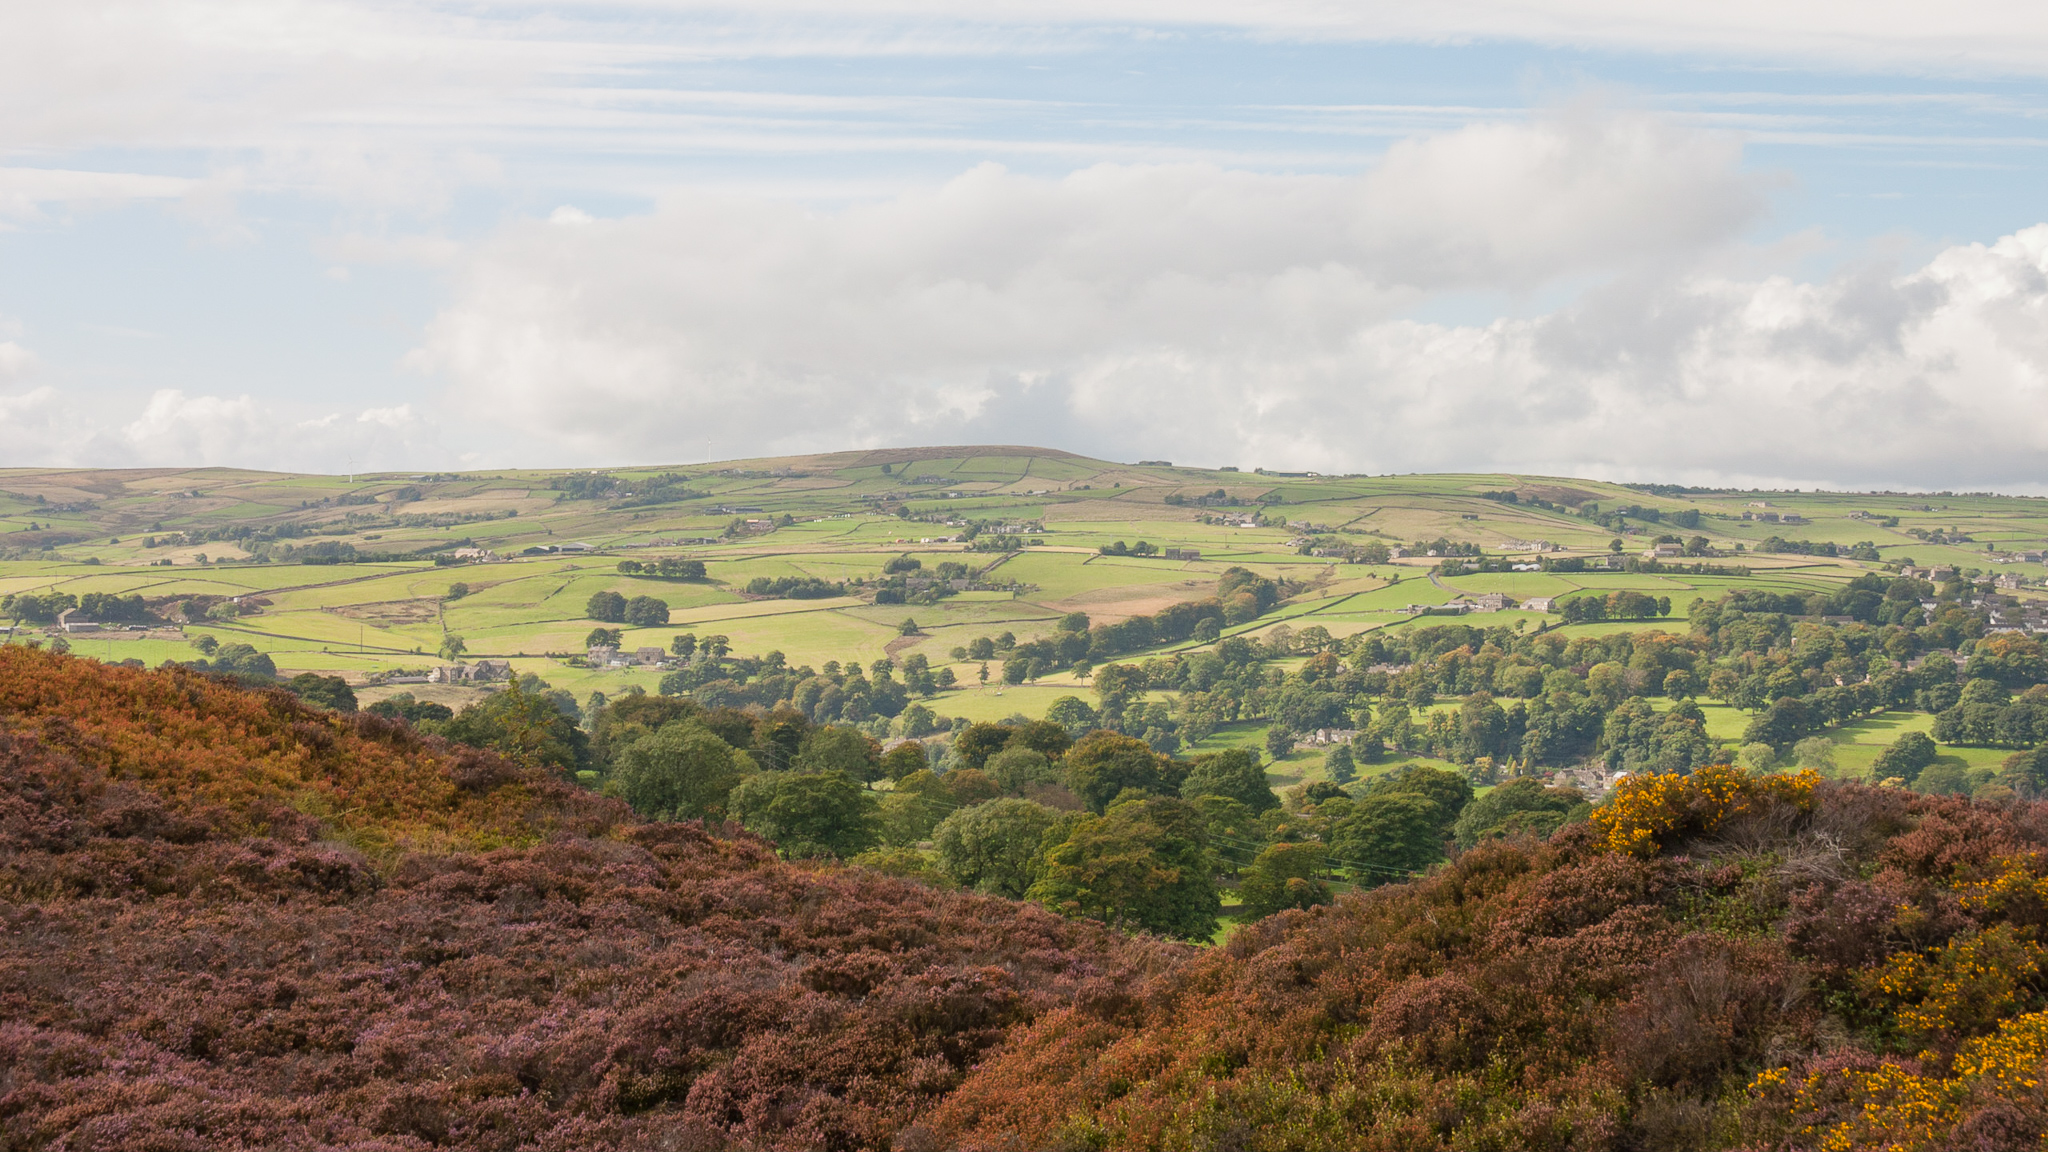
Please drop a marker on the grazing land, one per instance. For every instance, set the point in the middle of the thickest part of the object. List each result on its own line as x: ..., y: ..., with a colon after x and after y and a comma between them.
x: 340, y: 575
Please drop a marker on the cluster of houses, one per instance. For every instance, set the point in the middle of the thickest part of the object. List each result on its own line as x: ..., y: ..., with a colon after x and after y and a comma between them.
x: 2009, y: 615
x: 1483, y: 602
x: 481, y: 672
x: 606, y: 656
x: 1325, y: 736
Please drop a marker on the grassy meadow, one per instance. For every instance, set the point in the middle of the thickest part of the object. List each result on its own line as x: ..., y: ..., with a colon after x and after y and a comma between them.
x: 386, y: 606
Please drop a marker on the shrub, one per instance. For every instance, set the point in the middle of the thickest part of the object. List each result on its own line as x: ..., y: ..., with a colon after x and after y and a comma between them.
x: 1649, y: 812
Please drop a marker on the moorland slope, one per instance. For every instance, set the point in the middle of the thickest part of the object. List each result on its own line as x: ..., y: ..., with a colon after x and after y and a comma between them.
x: 214, y: 940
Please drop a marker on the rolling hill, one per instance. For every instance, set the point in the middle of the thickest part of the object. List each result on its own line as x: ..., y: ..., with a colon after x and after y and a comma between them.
x: 338, y: 575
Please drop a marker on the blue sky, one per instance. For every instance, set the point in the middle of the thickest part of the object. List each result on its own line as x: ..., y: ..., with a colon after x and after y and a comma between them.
x: 1735, y: 244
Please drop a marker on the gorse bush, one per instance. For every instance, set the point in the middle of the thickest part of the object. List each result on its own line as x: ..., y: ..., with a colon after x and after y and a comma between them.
x: 1649, y: 812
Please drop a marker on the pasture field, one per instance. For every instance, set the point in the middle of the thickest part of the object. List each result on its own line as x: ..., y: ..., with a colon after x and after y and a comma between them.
x: 379, y: 598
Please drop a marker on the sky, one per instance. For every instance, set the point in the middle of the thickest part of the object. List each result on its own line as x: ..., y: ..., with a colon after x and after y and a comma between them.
x: 1739, y: 243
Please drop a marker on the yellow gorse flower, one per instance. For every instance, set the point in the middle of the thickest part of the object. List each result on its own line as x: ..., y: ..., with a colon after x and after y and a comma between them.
x: 1647, y: 812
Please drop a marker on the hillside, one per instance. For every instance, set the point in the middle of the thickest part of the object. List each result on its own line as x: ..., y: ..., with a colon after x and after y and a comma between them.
x: 1773, y: 965
x: 338, y: 575
x: 208, y: 946
x: 199, y: 953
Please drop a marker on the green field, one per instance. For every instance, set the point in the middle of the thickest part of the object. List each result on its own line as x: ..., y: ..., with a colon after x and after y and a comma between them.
x: 841, y: 517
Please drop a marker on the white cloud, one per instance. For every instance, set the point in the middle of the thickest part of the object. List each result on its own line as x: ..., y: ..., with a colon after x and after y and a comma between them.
x: 25, y: 191
x: 45, y: 426
x: 1200, y: 313
x: 15, y: 362
x: 2005, y: 34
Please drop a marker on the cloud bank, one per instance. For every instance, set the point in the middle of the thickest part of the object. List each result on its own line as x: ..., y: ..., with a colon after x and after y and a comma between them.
x: 1217, y: 316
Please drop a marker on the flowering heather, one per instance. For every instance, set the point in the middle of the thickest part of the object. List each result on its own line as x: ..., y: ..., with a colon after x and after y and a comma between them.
x: 231, y: 922
x: 190, y: 961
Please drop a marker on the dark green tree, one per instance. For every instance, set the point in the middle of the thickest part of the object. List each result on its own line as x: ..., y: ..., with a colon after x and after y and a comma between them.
x: 1515, y: 808
x: 1103, y: 764
x: 1284, y: 876
x: 1144, y: 865
x: 808, y: 813
x: 993, y: 847
x: 840, y: 749
x: 1387, y: 836
x: 1907, y: 757
x: 1236, y: 774
x: 331, y: 692
x: 646, y: 612
x: 610, y: 607
x: 525, y: 723
x: 979, y: 742
x: 681, y: 772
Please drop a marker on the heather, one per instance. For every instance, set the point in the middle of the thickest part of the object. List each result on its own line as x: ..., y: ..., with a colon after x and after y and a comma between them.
x: 1715, y: 961
x: 233, y: 921
x: 191, y: 962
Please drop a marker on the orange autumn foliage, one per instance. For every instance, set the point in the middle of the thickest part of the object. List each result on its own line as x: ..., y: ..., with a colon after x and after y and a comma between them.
x: 202, y: 743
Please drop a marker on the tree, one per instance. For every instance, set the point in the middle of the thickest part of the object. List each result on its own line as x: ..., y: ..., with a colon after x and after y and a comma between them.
x: 837, y: 748
x: 525, y: 723
x: 1104, y: 763
x: 808, y: 813
x: 1284, y: 876
x: 970, y: 786
x: 678, y: 569
x: 457, y: 591
x: 452, y: 647
x: 682, y: 771
x: 1236, y: 774
x: 1815, y: 752
x: 604, y: 638
x: 331, y: 692
x: 1117, y: 684
x: 1343, y: 766
x: 1279, y: 741
x: 980, y: 741
x: 646, y: 612
x: 1144, y: 865
x: 992, y: 847
x: 1514, y: 808
x: 902, y: 760
x: 1070, y: 712
x: 1907, y: 757
x: 1447, y: 790
x: 610, y: 607
x: 1388, y: 836
x: 1015, y: 769
x: 919, y: 802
